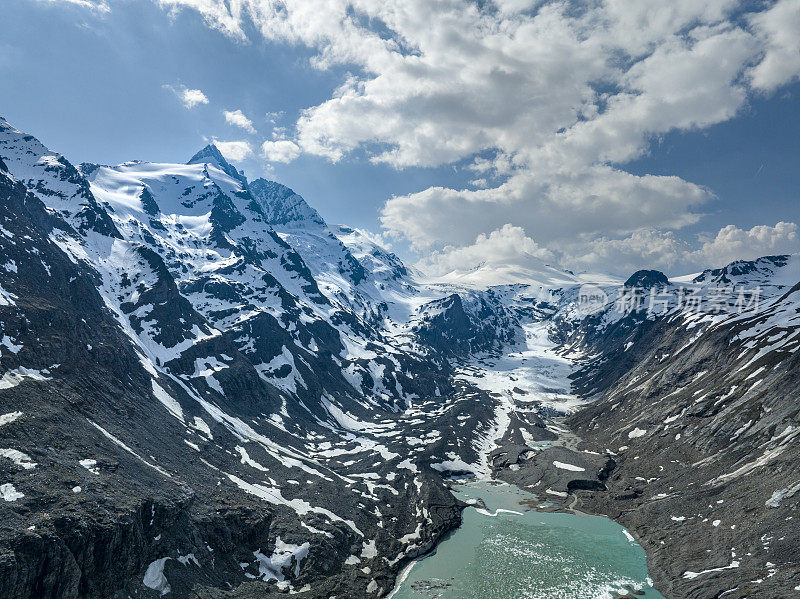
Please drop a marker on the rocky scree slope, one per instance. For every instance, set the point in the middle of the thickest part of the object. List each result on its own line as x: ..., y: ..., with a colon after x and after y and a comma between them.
x: 188, y: 409
x: 697, y: 408
x: 209, y: 391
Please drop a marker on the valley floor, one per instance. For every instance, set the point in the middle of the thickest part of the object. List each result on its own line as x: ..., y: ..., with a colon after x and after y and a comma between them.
x: 209, y: 391
x: 639, y: 489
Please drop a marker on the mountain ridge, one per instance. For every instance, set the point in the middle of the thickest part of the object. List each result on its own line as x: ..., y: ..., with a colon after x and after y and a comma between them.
x: 259, y: 402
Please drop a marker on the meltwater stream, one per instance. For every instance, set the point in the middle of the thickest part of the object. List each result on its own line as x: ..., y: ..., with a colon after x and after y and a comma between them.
x: 509, y: 550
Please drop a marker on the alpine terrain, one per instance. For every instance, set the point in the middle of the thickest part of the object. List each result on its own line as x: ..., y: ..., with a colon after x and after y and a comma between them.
x: 208, y: 391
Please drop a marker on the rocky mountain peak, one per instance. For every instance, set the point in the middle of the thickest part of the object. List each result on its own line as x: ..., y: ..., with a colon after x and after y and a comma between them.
x: 211, y: 155
x: 750, y: 269
x: 647, y: 279
x: 259, y: 411
x: 283, y: 206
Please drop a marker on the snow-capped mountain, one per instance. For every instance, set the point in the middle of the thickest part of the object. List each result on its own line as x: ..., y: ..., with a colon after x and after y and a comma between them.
x: 698, y: 407
x: 283, y: 207
x: 208, y: 390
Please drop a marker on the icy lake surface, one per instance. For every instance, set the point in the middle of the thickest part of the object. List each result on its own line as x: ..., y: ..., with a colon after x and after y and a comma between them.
x: 512, y: 551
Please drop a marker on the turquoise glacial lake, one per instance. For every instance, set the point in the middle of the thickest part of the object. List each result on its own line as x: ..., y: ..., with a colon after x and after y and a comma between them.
x: 509, y: 550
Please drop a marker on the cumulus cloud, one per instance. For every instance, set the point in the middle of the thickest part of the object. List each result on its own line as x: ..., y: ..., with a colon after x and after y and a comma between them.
x: 510, y: 247
x: 597, y: 200
x: 193, y: 97
x: 733, y: 243
x: 234, y: 150
x: 506, y: 246
x: 282, y: 150
x: 779, y: 31
x: 546, y: 101
x: 189, y: 97
x: 663, y: 250
x: 238, y: 119
x: 646, y: 248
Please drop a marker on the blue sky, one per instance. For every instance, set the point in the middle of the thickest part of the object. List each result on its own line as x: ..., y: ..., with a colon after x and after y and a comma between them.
x: 91, y: 86
x: 750, y: 162
x: 458, y: 146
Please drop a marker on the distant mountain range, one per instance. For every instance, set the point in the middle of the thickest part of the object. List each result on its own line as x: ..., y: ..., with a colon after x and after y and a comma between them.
x: 206, y: 390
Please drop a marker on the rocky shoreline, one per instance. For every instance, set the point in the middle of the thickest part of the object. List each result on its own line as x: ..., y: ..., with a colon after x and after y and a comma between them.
x: 588, y: 481
x: 207, y: 390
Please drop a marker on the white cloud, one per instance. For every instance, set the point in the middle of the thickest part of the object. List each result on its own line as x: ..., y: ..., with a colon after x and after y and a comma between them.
x: 238, y: 119
x: 506, y: 246
x: 510, y: 247
x: 193, y: 97
x: 545, y: 100
x: 664, y: 251
x: 598, y: 200
x: 234, y: 150
x: 733, y: 243
x: 215, y: 12
x: 189, y: 97
x: 282, y: 150
x: 646, y: 248
x: 779, y: 30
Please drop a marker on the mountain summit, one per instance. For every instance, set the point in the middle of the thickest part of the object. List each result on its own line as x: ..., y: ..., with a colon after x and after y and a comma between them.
x: 283, y: 206
x: 207, y: 391
x: 211, y: 155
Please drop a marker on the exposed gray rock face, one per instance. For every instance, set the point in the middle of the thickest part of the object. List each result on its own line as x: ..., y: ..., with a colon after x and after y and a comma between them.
x: 754, y: 272
x: 700, y: 420
x: 283, y: 206
x: 207, y: 391
x: 647, y: 279
x: 211, y: 155
x: 461, y: 326
x: 690, y: 436
x: 554, y: 472
x: 175, y: 425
